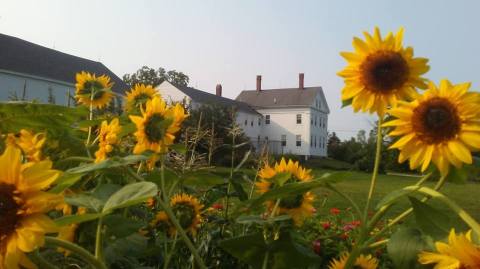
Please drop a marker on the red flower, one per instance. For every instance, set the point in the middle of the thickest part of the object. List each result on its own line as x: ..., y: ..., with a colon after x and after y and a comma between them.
x: 326, y: 225
x: 356, y: 223
x: 334, y: 211
x: 217, y: 206
x: 317, y: 247
x: 344, y: 236
x: 348, y: 227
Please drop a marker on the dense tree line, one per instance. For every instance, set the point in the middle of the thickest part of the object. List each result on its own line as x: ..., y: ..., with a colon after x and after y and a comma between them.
x: 360, y: 151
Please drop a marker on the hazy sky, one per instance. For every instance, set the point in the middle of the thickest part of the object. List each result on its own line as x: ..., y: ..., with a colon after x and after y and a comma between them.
x: 230, y: 42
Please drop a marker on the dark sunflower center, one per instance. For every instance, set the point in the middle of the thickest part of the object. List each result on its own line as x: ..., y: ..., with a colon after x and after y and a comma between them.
x: 8, y: 210
x: 290, y: 202
x: 141, y: 98
x: 155, y: 128
x: 97, y: 87
x: 185, y: 214
x: 92, y: 84
x: 436, y: 120
x: 384, y: 71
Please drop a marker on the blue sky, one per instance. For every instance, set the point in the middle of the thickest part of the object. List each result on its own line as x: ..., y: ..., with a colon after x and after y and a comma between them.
x: 230, y: 42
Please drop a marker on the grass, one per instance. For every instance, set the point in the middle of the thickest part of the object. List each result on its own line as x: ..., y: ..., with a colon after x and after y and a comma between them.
x: 357, y: 185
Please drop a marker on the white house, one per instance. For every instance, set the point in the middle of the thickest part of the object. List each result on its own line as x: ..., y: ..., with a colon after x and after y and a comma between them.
x: 295, y: 119
x: 32, y: 72
x: 292, y: 120
x: 248, y: 118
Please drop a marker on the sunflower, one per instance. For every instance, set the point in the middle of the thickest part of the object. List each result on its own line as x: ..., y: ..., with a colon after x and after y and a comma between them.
x: 162, y: 222
x: 31, y: 144
x: 108, y: 136
x: 187, y: 210
x: 459, y: 253
x: 139, y: 95
x: 157, y: 125
x: 380, y: 72
x: 362, y: 262
x: 298, y: 206
x: 23, y: 204
x: 100, y: 87
x: 441, y: 126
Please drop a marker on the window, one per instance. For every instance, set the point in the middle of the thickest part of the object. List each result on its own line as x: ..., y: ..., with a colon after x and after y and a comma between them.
x: 251, y: 123
x: 266, y: 139
x: 259, y: 121
x: 267, y: 119
x: 246, y: 122
x: 320, y: 122
x: 311, y: 119
x: 258, y: 138
x: 299, y: 118
x: 311, y: 141
x: 315, y: 141
x: 299, y: 140
x: 315, y: 120
x: 284, y: 140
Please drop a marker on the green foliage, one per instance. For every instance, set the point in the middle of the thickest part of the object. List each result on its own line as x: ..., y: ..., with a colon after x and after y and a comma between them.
x: 404, y: 246
x: 283, y: 253
x: 217, y: 126
x: 56, y: 121
x: 430, y: 220
x: 150, y: 76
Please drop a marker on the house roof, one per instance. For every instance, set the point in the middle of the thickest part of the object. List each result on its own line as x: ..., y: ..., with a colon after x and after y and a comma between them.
x: 288, y: 97
x: 20, y: 56
x: 208, y: 98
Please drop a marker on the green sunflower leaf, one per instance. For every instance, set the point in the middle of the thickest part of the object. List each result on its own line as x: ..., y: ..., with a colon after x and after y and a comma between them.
x: 66, y: 220
x: 404, y: 246
x: 430, y: 220
x: 130, y: 194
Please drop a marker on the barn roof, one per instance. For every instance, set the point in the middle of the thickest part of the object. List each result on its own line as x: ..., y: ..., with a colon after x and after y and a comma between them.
x: 20, y: 56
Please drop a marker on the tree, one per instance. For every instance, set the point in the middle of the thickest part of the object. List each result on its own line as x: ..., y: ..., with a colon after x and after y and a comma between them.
x: 150, y: 76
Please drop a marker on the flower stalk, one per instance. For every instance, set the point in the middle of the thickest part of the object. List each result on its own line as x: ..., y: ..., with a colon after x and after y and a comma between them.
x: 84, y: 254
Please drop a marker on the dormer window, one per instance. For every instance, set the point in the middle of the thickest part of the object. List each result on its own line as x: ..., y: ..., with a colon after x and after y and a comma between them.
x: 267, y: 119
x: 299, y: 118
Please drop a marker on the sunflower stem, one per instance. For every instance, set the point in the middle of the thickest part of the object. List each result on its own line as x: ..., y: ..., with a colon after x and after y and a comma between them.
x: 378, y: 157
x: 41, y: 262
x: 265, y: 260
x: 90, y: 117
x: 182, y: 233
x: 277, y: 203
x: 232, y: 163
x: 77, y: 250
x: 365, y: 229
x: 407, y: 212
x: 170, y: 253
x: 162, y: 178
x: 98, y: 239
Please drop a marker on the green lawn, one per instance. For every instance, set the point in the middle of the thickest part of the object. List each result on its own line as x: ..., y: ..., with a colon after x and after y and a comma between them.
x: 357, y: 185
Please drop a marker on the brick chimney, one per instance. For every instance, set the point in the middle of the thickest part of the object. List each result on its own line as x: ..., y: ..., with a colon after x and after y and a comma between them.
x: 259, y: 83
x: 301, y: 77
x: 218, y: 90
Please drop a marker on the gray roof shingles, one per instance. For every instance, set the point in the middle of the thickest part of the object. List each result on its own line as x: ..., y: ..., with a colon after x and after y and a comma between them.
x: 20, y: 56
x: 288, y: 97
x: 208, y: 98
